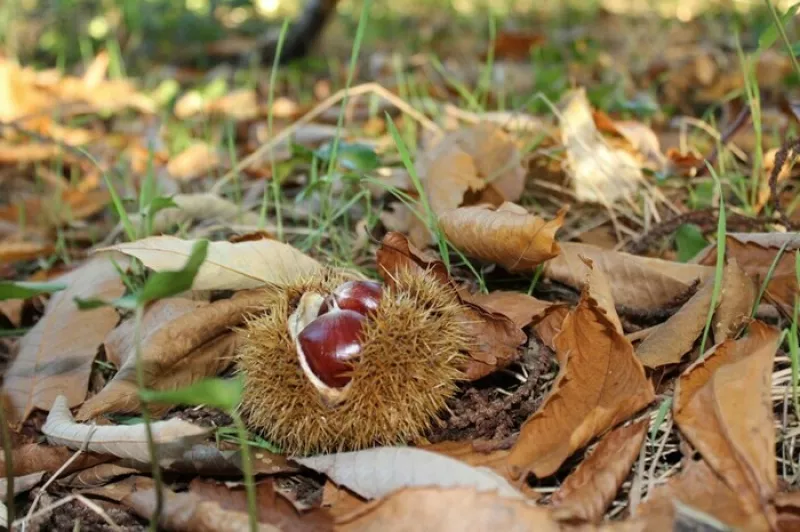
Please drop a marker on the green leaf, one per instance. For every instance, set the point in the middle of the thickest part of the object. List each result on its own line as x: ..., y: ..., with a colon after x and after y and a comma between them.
x: 770, y: 35
x: 24, y: 290
x: 11, y: 333
x: 220, y: 393
x: 159, y: 204
x: 125, y: 302
x: 690, y: 241
x: 165, y: 284
x: 355, y: 157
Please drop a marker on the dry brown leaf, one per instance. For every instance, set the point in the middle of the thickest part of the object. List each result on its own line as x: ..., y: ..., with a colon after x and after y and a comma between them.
x: 675, y: 337
x: 33, y: 457
x: 397, y: 253
x: 548, y: 327
x: 14, y: 250
x: 698, y: 487
x: 197, y: 160
x: 736, y: 301
x: 723, y: 407
x: 495, y: 341
x: 588, y: 491
x: 787, y: 505
x: 228, y: 266
x: 98, y: 475
x: 195, y: 343
x: 272, y: 508
x: 509, y: 235
x: 600, y: 384
x: 520, y: 308
x: 496, y: 338
x: 182, y: 512
x: 56, y: 355
x: 755, y: 253
x: 200, y: 206
x: 444, y: 510
x: 473, y: 160
x: 636, y: 282
x: 340, y: 501
x: 51, y: 211
x: 599, y: 173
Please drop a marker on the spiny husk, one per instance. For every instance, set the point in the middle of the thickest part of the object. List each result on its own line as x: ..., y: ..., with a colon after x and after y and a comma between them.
x: 411, y: 353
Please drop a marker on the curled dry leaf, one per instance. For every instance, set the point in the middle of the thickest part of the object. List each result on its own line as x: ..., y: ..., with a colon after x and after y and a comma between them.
x: 33, y: 457
x: 675, y: 337
x: 496, y: 338
x: 56, y: 355
x: 723, y: 407
x: 548, y: 327
x: 520, y: 308
x: 210, y: 460
x: 600, y: 384
x: 600, y: 173
x: 98, y: 475
x: 171, y: 437
x: 636, y: 282
x: 182, y: 342
x: 589, y: 490
x: 228, y: 266
x: 375, y: 473
x: 755, y: 254
x: 736, y: 301
x: 182, y: 512
x: 272, y: 508
x: 445, y: 510
x: 509, y: 235
x: 474, y: 164
x: 699, y: 488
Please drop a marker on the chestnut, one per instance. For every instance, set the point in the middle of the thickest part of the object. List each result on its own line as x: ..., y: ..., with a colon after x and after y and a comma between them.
x: 359, y: 296
x: 329, y: 342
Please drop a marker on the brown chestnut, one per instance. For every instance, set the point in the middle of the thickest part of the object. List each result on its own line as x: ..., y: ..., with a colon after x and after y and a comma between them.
x: 359, y: 296
x: 329, y: 343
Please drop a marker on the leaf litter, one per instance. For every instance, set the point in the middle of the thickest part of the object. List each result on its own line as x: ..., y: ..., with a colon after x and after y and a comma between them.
x: 585, y: 403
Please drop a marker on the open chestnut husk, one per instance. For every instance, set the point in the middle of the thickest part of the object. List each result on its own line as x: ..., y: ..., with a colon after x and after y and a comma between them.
x: 322, y: 378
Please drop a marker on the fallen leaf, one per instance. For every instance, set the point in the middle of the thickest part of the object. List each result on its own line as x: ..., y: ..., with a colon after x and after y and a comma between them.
x: 520, y: 308
x: 509, y: 235
x: 787, y: 505
x: 588, y: 491
x: 182, y: 342
x: 467, y: 452
x: 755, y: 254
x: 515, y: 44
x: 33, y: 457
x: 14, y: 250
x: 445, y: 510
x: 211, y: 460
x: 496, y: 339
x: 548, y: 327
x: 55, y: 357
x: 375, y: 473
x: 699, y: 488
x: 640, y: 136
x: 228, y: 266
x: 197, y: 160
x: 599, y: 173
x: 53, y: 211
x: 397, y: 253
x: 272, y: 508
x: 340, y: 501
x: 98, y: 475
x: 481, y: 161
x: 636, y: 282
x: 723, y: 407
x: 170, y: 437
x: 736, y: 301
x: 600, y: 384
x: 675, y: 337
x: 182, y: 512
